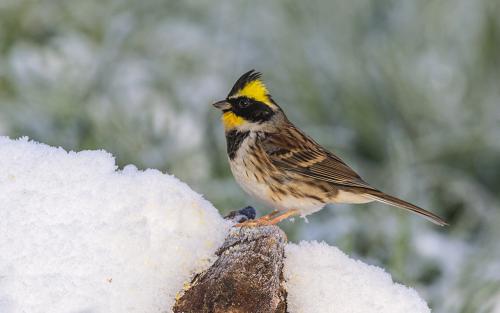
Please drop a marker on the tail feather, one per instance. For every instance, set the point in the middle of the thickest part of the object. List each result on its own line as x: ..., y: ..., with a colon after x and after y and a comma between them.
x: 390, y: 200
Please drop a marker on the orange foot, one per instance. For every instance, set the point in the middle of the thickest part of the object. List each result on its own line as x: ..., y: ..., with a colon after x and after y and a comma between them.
x: 268, y: 219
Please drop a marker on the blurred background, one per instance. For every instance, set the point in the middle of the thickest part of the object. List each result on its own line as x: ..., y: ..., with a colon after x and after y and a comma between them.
x: 406, y: 91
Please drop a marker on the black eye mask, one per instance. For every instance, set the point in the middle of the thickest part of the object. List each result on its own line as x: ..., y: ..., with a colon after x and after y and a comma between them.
x: 251, y: 110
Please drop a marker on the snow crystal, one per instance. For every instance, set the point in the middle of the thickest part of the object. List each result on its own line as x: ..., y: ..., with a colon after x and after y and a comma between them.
x: 76, y: 235
x: 322, y: 279
x: 79, y: 235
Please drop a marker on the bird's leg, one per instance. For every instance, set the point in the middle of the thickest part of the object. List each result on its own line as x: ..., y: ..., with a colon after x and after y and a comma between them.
x: 268, y: 219
x: 270, y: 215
x: 287, y: 214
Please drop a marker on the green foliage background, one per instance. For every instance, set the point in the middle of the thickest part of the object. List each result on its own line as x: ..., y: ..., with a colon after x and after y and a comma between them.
x: 408, y: 92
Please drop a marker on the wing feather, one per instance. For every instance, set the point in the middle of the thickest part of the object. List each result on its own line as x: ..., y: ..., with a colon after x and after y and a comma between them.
x: 295, y: 152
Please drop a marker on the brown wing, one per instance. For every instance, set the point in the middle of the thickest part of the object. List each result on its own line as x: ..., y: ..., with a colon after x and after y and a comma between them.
x: 293, y: 151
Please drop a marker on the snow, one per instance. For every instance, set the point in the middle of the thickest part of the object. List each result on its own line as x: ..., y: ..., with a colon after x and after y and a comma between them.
x: 76, y: 235
x: 322, y: 279
x: 79, y: 235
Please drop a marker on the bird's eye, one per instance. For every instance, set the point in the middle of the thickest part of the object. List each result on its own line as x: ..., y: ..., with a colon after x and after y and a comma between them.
x: 243, y: 103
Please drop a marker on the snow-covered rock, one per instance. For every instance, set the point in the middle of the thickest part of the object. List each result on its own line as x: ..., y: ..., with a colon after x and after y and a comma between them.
x: 79, y: 235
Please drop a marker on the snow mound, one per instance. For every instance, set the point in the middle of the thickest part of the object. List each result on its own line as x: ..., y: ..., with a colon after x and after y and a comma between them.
x: 79, y: 235
x: 322, y: 279
x: 76, y: 235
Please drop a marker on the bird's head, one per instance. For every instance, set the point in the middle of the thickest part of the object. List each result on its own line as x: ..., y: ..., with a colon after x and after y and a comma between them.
x: 248, y: 105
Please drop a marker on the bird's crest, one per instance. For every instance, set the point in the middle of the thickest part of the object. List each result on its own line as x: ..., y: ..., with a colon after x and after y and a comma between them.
x: 251, y: 85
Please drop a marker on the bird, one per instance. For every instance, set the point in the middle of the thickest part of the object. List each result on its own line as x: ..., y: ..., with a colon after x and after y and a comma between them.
x: 278, y: 164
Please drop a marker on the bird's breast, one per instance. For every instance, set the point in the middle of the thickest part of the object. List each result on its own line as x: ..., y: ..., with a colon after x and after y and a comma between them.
x: 247, y: 168
x: 255, y: 173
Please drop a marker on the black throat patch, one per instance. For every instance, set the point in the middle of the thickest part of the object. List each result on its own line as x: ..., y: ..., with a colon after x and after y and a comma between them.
x: 234, y: 139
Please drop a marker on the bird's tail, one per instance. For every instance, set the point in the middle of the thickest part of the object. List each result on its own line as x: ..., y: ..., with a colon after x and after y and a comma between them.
x: 390, y: 200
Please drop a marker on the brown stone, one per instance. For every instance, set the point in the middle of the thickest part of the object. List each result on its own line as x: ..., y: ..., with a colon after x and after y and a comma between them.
x: 246, y: 278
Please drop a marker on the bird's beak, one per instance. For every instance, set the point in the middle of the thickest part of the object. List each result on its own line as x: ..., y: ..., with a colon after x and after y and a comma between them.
x: 222, y: 105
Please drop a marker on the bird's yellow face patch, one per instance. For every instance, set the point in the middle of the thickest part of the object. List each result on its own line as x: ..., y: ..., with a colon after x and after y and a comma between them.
x: 231, y: 120
x: 255, y: 90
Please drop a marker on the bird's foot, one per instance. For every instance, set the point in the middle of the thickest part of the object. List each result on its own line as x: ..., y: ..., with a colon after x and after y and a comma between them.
x: 253, y: 223
x: 268, y: 219
x: 283, y: 216
x: 261, y: 221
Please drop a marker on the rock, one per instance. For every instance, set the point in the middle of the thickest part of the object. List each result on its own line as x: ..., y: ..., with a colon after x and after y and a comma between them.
x: 246, y: 278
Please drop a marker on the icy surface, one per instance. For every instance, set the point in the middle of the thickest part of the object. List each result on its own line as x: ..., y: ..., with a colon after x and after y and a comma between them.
x: 322, y: 279
x: 79, y: 236
x: 76, y: 235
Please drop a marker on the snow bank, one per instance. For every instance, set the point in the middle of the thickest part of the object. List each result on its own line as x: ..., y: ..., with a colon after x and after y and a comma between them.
x: 322, y: 279
x: 78, y: 235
